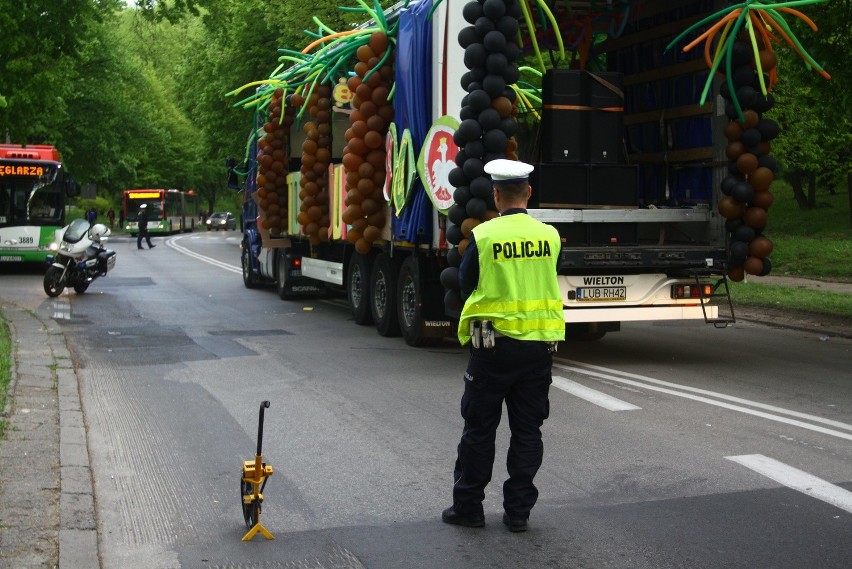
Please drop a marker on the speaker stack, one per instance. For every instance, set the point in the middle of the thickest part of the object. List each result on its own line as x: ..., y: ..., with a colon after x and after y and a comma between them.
x: 582, y: 159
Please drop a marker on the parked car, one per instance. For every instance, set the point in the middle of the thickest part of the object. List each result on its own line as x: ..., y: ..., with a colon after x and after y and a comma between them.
x: 221, y: 220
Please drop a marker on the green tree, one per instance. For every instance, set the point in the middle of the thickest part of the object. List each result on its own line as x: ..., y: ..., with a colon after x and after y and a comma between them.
x: 816, y: 115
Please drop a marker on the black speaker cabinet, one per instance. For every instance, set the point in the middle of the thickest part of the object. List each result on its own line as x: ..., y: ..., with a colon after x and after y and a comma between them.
x: 614, y: 185
x: 564, y: 128
x: 606, y: 117
x: 582, y: 117
x: 559, y: 185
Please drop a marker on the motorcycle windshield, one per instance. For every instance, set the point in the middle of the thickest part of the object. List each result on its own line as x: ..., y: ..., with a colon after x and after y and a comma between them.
x: 76, y: 231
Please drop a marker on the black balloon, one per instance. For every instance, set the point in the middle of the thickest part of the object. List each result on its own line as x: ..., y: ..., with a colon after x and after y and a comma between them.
x: 745, y: 75
x: 472, y: 11
x: 457, y: 213
x: 751, y: 137
x: 461, y: 195
x: 732, y: 224
x: 512, y: 51
x: 476, y: 208
x: 768, y: 161
x: 468, y: 130
x: 457, y: 178
x: 768, y: 129
x: 475, y: 55
x: 508, y: 26
x: 767, y: 268
x: 479, y: 100
x: 511, y: 75
x: 488, y: 119
x: 494, y: 41
x: 474, y: 149
x: 473, y: 168
x: 453, y: 304
x: 742, y: 192
x: 495, y: 140
x: 509, y: 126
x: 729, y: 182
x: 465, y: 80
x: 744, y: 233
x: 450, y: 278
x: 467, y: 112
x: 493, y: 85
x: 496, y: 63
x: 741, y: 54
x: 454, y: 257
x: 468, y: 37
x: 494, y: 9
x: 484, y: 25
x: 480, y: 187
x: 461, y: 156
x: 454, y: 234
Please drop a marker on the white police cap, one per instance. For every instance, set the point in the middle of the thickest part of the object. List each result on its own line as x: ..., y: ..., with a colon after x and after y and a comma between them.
x: 504, y: 171
x: 144, y: 205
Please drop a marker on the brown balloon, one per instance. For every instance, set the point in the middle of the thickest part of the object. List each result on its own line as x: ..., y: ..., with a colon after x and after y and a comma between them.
x: 760, y: 246
x: 761, y: 178
x: 747, y: 163
x: 372, y: 233
x: 762, y: 199
x: 734, y: 150
x: 755, y: 217
x: 753, y: 265
x: 730, y: 208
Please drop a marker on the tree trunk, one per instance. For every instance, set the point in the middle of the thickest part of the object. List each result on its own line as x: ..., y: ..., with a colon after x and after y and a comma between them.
x: 798, y: 193
x: 811, y: 190
x: 849, y: 193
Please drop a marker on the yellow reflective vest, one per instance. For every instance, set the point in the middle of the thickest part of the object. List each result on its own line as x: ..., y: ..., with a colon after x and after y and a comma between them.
x: 517, y: 289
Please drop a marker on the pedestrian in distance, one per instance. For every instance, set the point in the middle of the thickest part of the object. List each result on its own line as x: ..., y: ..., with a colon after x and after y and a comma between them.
x: 142, y: 222
x: 512, y: 317
x: 111, y: 216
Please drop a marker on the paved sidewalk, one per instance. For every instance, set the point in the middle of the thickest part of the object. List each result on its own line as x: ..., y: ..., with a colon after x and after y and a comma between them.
x: 47, y: 514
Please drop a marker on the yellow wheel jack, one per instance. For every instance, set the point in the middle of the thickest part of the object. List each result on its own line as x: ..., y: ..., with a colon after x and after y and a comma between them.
x: 253, y: 480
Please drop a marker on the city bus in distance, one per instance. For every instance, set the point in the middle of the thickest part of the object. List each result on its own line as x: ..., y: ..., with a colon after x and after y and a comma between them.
x: 33, y: 189
x: 169, y: 211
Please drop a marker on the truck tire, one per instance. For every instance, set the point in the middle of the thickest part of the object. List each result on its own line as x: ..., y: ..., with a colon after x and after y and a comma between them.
x: 410, y: 303
x: 358, y: 287
x: 383, y: 291
x: 249, y: 277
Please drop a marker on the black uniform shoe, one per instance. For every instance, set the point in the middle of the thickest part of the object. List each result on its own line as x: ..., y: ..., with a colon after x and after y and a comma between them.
x: 151, y: 247
x: 514, y: 524
x: 449, y: 516
x: 140, y: 248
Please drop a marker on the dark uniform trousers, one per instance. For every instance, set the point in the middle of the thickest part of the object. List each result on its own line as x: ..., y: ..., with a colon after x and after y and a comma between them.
x: 518, y: 372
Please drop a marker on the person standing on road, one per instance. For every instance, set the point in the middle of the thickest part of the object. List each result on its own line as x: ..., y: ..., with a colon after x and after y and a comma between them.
x: 513, y: 318
x: 111, y: 217
x: 142, y: 221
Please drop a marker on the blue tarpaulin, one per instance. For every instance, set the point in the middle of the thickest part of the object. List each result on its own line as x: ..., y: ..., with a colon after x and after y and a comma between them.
x: 412, y: 110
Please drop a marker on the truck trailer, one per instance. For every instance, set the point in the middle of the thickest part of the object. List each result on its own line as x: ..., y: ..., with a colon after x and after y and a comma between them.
x: 368, y: 182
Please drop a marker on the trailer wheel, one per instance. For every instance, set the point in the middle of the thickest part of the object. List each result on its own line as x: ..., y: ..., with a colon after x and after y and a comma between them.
x: 358, y: 287
x: 282, y: 276
x: 249, y: 278
x: 383, y: 295
x: 410, y: 304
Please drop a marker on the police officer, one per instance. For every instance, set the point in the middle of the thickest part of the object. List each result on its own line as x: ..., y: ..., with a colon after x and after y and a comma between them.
x: 513, y: 318
x: 142, y: 223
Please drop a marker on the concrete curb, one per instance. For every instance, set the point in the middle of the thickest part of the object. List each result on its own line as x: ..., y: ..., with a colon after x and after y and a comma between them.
x: 44, y: 413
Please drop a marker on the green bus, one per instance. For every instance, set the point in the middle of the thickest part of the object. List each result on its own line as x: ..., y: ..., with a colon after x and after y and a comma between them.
x: 33, y: 190
x: 169, y: 211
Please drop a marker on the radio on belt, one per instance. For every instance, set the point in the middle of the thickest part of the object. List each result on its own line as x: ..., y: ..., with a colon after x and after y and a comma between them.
x: 482, y: 334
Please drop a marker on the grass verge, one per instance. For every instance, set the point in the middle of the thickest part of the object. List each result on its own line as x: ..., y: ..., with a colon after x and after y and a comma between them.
x: 770, y: 296
x: 5, y: 367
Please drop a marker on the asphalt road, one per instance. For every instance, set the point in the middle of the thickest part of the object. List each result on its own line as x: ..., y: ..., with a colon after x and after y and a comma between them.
x: 668, y: 446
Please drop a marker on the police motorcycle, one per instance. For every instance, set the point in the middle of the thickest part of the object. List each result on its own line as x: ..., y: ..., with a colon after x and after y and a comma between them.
x: 79, y: 257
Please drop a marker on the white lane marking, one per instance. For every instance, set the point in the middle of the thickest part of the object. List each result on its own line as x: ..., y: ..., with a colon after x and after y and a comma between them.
x: 774, y: 409
x: 61, y: 309
x: 172, y: 243
x: 650, y: 386
x: 797, y: 480
x: 598, y: 398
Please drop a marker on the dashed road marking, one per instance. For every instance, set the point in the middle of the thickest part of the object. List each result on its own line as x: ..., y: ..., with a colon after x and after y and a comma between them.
x: 592, y: 396
x: 797, y: 480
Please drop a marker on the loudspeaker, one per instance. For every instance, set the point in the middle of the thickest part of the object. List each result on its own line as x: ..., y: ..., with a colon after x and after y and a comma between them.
x: 614, y: 185
x: 564, y: 128
x: 606, y: 117
x: 559, y: 185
